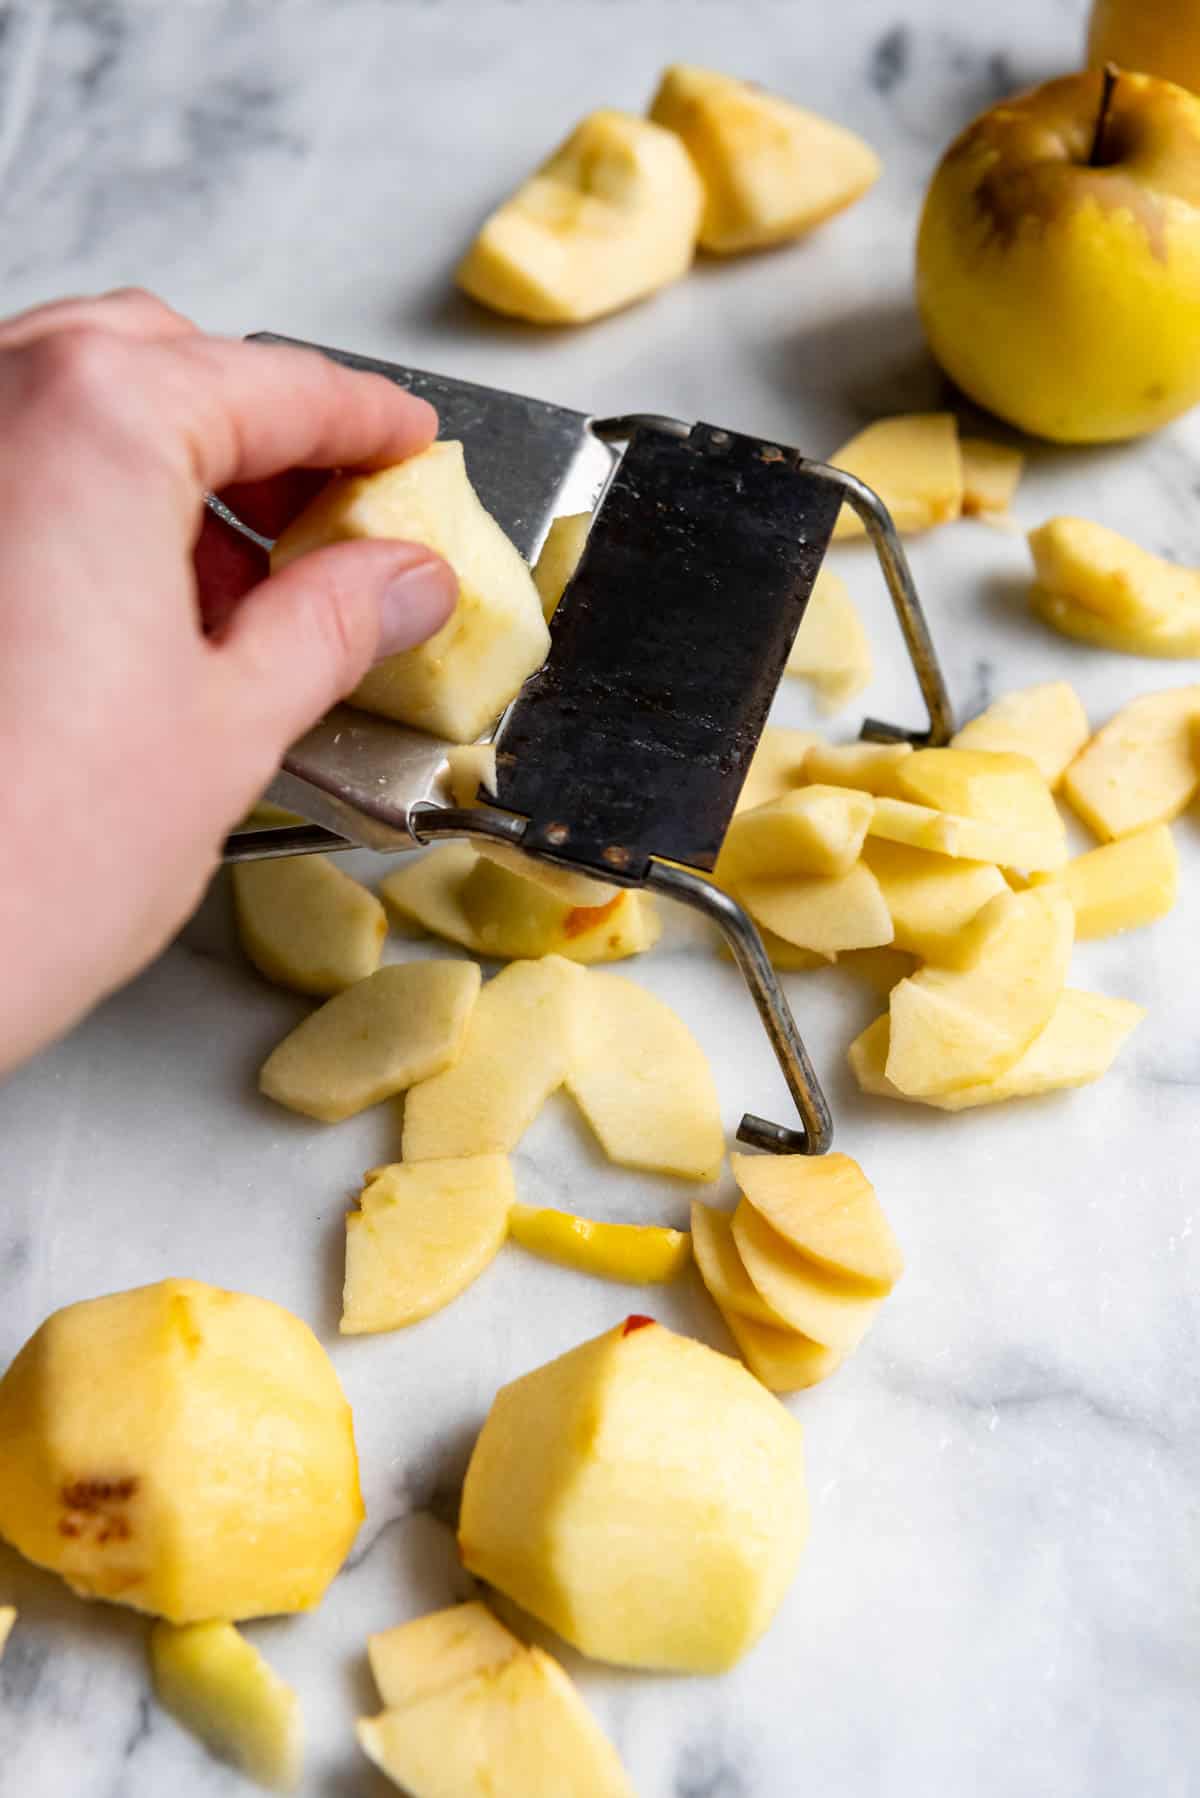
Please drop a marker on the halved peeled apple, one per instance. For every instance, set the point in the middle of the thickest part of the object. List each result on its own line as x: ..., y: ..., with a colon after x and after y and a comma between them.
x: 813, y: 830
x: 991, y: 474
x: 1046, y: 723
x: 913, y: 462
x: 494, y: 910
x: 611, y: 216
x: 305, y: 924
x: 423, y: 1233
x: 221, y: 1689
x: 459, y: 682
x: 438, y: 1650
x: 929, y: 897
x: 642, y: 1254
x: 1124, y: 884
x: 399, y: 1026
x: 770, y: 169
x: 1142, y: 768
x: 1096, y: 585
x: 1077, y: 1046
x: 958, y: 1026
x: 832, y: 649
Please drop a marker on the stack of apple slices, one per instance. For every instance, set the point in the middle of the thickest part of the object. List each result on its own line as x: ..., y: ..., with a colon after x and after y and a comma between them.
x: 469, y: 1708
x: 801, y: 1268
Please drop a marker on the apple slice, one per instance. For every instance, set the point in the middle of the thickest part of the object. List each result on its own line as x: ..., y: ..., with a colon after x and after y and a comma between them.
x: 958, y: 1026
x: 221, y: 1689
x: 832, y: 649
x: 559, y: 558
x: 915, y: 465
x: 814, y: 830
x: 723, y: 1270
x: 784, y: 957
x: 1174, y: 636
x: 516, y: 1053
x: 400, y: 1025
x: 825, y: 1208
x: 782, y: 1360
x: 1046, y: 723
x: 1005, y: 790
x: 460, y: 681
x: 1141, y: 768
x: 881, y: 968
x: 1124, y: 884
x: 305, y: 924
x: 425, y: 1232
x: 611, y: 216
x: 777, y: 767
x: 643, y: 1082
x: 969, y: 839
x: 519, y: 1727
x: 641, y: 1254
x: 441, y: 1649
x: 771, y: 170
x: 1095, y: 584
x: 991, y: 474
x: 930, y: 897
x: 871, y: 767
x: 824, y: 914
x: 831, y: 1312
x: 8, y: 1616
x: 1077, y: 1046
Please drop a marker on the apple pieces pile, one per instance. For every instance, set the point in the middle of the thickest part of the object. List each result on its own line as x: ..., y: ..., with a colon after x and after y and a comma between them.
x: 925, y: 474
x: 1095, y: 585
x: 469, y: 1708
x: 219, y: 1687
x: 644, y: 1496
x: 801, y: 1268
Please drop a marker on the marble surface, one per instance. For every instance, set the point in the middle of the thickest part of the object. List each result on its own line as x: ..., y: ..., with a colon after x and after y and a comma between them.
x: 1000, y: 1595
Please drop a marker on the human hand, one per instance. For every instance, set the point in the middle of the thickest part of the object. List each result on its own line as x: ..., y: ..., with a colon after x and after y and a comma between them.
x: 144, y: 709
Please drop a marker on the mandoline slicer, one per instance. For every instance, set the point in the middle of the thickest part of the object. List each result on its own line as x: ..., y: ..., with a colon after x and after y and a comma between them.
x: 623, y: 757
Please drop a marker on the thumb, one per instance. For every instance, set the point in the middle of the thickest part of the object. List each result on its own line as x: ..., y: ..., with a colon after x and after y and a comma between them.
x: 305, y: 637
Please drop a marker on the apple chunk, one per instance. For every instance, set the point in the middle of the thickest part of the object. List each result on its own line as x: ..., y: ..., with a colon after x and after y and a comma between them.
x: 424, y: 1232
x: 825, y: 1208
x: 1095, y: 584
x: 833, y: 1312
x: 305, y: 924
x: 832, y: 649
x: 642, y: 1081
x: 559, y: 558
x: 771, y: 170
x: 611, y: 216
x: 914, y: 464
x: 1141, y: 768
x: 826, y: 914
x: 991, y: 474
x: 1124, y: 884
x: 641, y: 1254
x: 814, y: 830
x: 459, y: 682
x: 1046, y: 723
x: 400, y: 1025
x: 439, y: 1650
x: 221, y: 1689
x: 958, y: 1026
x: 930, y: 897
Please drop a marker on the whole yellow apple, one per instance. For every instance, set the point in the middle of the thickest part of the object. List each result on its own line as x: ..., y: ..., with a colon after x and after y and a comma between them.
x: 1058, y: 258
x: 1159, y: 37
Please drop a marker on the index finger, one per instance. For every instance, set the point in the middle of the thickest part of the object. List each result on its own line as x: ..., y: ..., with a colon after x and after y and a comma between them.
x: 251, y: 410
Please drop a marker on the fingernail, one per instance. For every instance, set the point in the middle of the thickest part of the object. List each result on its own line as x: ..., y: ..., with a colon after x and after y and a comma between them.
x: 415, y: 603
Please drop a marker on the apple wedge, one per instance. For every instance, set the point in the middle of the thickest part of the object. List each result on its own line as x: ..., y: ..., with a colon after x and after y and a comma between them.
x: 221, y: 1689
x: 826, y: 1310
x: 826, y: 914
x: 1046, y: 723
x: 611, y: 216
x: 1095, y: 584
x: 642, y: 1081
x: 559, y: 558
x: 439, y: 1650
x: 832, y: 649
x: 929, y: 897
x: 825, y: 1208
x: 305, y: 924
x: 778, y: 765
x: 424, y: 1232
x: 1141, y: 768
x: 1123, y: 885
x: 771, y: 170
x: 459, y: 682
x: 781, y: 1360
x: 813, y: 830
x: 8, y: 1616
x: 991, y: 475
x: 871, y: 767
x: 1077, y: 1046
x: 517, y: 1051
x: 959, y: 1026
x: 640, y: 1254
x: 518, y: 1727
x: 913, y: 462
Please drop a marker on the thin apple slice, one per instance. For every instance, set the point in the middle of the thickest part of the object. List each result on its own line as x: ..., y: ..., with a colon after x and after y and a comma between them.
x: 930, y: 897
x: 8, y: 1616
x: 959, y: 1026
x: 1077, y: 1046
x: 778, y: 766
x: 914, y: 464
x: 824, y: 914
x: 643, y: 1082
x: 1173, y: 637
x: 814, y: 830
x: 825, y: 1208
x: 991, y: 475
x: 827, y: 1311
x: 832, y: 649
x: 516, y: 1053
x: 1123, y: 885
x: 641, y: 1254
x: 969, y: 839
x: 1047, y: 723
x: 881, y: 968
x: 471, y: 766
x: 399, y: 1026
x: 782, y: 1360
x: 559, y: 558
x: 1141, y: 768
x: 438, y: 1650
x: 520, y: 1728
x: 723, y: 1270
x: 871, y: 767
x: 221, y: 1689
x: 305, y: 924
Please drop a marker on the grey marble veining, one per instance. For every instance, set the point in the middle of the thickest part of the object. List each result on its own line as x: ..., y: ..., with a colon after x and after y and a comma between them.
x: 1000, y: 1596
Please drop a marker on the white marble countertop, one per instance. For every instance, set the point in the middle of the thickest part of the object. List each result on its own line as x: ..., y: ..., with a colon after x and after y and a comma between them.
x: 1000, y: 1592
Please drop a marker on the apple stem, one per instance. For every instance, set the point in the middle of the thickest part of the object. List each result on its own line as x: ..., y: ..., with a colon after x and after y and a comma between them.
x: 1108, y: 82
